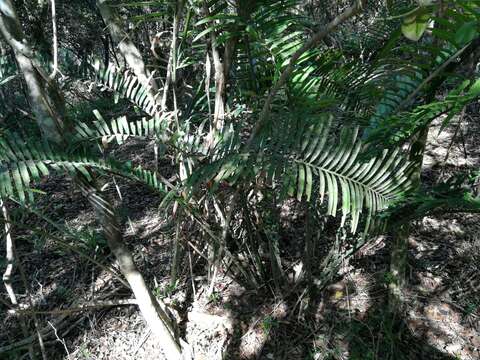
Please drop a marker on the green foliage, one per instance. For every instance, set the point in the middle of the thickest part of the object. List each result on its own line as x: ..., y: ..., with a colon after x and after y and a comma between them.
x: 335, y: 138
x: 82, y: 112
x: 84, y: 353
x: 215, y: 298
x: 459, y: 193
x: 420, y: 70
x: 268, y: 324
x: 298, y: 158
x: 402, y: 126
x: 124, y: 84
x: 351, y: 185
x: 62, y: 292
x: 415, y: 25
x: 91, y: 239
x: 336, y: 129
x: 389, y: 278
x: 24, y: 162
x: 120, y: 129
x: 167, y: 291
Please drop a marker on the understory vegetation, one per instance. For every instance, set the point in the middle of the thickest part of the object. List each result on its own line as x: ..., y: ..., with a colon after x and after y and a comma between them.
x: 240, y: 179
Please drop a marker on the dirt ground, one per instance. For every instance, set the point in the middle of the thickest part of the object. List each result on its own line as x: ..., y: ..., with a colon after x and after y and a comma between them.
x: 345, y: 321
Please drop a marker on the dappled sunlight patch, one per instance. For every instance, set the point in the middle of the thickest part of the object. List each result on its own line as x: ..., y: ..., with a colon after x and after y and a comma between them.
x: 442, y: 326
x: 441, y: 298
x: 83, y: 220
x: 453, y: 146
x: 209, y: 335
x: 451, y: 226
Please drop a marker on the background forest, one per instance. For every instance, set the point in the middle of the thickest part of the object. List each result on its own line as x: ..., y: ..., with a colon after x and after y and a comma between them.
x: 240, y: 179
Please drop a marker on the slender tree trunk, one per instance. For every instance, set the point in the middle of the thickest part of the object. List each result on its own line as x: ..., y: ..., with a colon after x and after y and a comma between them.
x: 172, y: 60
x: 398, y: 267
x: 399, y: 252
x: 127, y: 47
x: 7, y: 275
x: 221, y: 65
x: 46, y: 102
x: 222, y: 69
x: 220, y: 84
x: 156, y: 317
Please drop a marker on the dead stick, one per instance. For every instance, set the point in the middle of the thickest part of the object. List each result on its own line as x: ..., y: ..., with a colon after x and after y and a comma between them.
x: 10, y: 257
x: 84, y: 307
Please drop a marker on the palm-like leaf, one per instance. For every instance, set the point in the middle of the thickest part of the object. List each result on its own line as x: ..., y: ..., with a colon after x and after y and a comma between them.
x: 126, y: 84
x: 402, y: 126
x: 298, y: 155
x: 120, y: 129
x: 23, y: 163
x: 334, y: 170
x: 417, y: 66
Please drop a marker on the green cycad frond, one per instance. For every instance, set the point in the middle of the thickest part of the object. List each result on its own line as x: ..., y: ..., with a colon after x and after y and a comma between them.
x: 225, y: 162
x: 399, y: 128
x: 23, y: 163
x: 126, y: 84
x: 415, y: 67
x: 337, y: 172
x: 459, y: 193
x: 297, y: 155
x: 120, y: 129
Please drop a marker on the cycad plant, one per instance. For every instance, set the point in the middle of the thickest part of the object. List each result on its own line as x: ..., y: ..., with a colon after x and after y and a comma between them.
x: 260, y: 106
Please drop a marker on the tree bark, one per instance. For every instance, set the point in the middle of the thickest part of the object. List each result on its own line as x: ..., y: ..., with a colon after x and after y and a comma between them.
x: 172, y: 60
x: 46, y: 102
x: 398, y: 268
x: 156, y: 317
x: 221, y: 65
x: 127, y: 47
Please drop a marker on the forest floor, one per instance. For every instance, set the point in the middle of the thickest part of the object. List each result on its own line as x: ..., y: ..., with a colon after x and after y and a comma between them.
x: 347, y: 320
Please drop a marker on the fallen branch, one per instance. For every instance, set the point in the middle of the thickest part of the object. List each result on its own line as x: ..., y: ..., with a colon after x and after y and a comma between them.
x: 64, y: 244
x: 45, y: 332
x: 83, y: 307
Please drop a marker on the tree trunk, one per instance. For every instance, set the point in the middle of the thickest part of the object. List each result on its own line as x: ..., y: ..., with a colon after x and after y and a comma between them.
x: 46, y: 103
x: 45, y: 100
x: 398, y: 268
x: 156, y: 317
x: 221, y: 65
x: 172, y: 59
x: 127, y: 48
x: 399, y: 252
x: 10, y: 255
